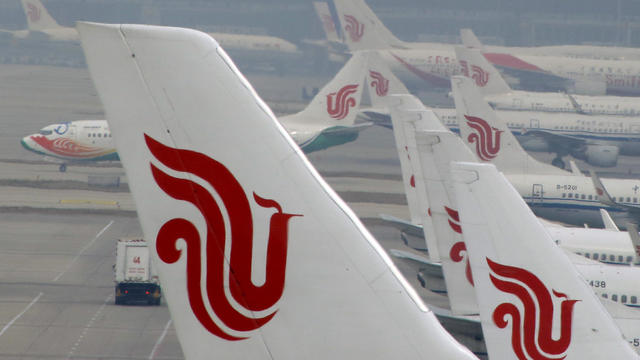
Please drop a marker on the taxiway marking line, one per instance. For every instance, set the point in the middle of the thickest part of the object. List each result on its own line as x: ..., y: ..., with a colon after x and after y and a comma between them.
x: 84, y: 248
x: 6, y: 327
x: 152, y: 355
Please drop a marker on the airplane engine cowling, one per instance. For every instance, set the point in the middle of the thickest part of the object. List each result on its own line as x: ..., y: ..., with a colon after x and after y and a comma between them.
x: 602, y: 155
x: 533, y: 143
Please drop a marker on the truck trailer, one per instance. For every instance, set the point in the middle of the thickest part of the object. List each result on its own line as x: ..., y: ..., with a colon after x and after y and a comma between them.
x: 135, y: 276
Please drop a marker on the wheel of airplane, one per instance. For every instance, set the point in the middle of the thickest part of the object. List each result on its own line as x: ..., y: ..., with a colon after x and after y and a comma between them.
x: 63, y: 167
x: 558, y: 162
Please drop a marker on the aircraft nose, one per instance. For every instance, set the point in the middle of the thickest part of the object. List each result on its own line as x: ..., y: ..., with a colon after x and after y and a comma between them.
x: 28, y: 143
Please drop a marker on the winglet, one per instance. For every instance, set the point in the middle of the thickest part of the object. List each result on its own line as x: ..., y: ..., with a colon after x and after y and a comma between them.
x: 575, y: 104
x: 210, y: 168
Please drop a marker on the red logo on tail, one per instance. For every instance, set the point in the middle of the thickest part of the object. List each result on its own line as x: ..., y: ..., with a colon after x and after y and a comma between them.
x: 534, y: 328
x: 487, y: 138
x: 354, y: 28
x: 339, y: 103
x: 480, y: 76
x: 252, y: 298
x: 33, y: 12
x: 379, y: 82
x: 458, y: 248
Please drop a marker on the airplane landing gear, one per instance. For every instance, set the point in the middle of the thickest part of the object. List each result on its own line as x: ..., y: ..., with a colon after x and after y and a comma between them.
x: 63, y: 167
x: 558, y: 162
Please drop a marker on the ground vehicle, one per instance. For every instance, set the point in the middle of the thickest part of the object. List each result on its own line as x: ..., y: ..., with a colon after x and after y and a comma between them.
x: 135, y: 276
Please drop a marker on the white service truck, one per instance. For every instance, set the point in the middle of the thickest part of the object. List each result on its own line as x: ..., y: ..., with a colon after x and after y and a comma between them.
x: 135, y: 276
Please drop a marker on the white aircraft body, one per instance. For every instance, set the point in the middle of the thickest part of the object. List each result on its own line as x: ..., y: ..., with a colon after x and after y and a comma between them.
x: 291, y: 271
x: 249, y: 48
x: 39, y: 21
x: 430, y: 160
x: 328, y: 120
x: 501, y: 97
x: 432, y: 64
x: 429, y: 156
x: 552, y: 193
x: 533, y: 302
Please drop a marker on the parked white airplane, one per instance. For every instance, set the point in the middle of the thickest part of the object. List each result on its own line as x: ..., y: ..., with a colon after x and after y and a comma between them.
x: 540, y: 122
x: 501, y: 97
x: 39, y: 21
x: 205, y: 155
x: 249, y: 48
x: 429, y: 156
x: 421, y: 63
x: 430, y: 160
x: 328, y: 120
x: 552, y: 193
x: 533, y: 302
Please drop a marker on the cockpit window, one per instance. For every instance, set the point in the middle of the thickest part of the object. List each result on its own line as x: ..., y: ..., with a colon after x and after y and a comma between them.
x: 45, y: 132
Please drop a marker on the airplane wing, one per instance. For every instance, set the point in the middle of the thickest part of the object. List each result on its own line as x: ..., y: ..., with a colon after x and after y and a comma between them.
x: 403, y: 225
x: 607, y: 199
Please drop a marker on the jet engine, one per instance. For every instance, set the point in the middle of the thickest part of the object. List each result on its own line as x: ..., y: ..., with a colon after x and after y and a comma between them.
x: 599, y: 155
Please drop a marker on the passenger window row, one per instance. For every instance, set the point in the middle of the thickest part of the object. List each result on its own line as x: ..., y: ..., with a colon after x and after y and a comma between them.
x: 623, y: 298
x: 99, y: 135
x: 610, y: 258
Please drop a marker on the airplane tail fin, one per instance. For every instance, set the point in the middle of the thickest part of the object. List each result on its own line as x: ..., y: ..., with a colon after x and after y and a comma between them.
x: 435, y: 151
x: 362, y: 29
x: 337, y: 103
x: 328, y: 24
x: 405, y: 110
x: 381, y: 82
x: 38, y: 17
x: 488, y: 136
x: 486, y: 77
x: 258, y: 257
x: 470, y: 40
x: 533, y: 302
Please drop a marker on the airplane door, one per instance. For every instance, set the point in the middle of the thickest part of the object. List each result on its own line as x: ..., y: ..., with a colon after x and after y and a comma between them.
x: 537, y: 193
x: 534, y: 124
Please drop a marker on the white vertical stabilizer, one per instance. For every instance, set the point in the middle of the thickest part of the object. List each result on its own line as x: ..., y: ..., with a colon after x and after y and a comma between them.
x: 336, y: 104
x: 434, y: 154
x: 362, y: 29
x: 258, y: 257
x: 382, y: 83
x: 409, y: 116
x: 533, y: 302
x: 486, y: 77
x: 488, y: 136
x: 38, y: 17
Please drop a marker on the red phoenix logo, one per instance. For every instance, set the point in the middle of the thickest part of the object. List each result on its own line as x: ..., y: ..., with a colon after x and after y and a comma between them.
x: 252, y: 298
x: 456, y: 252
x: 379, y: 82
x: 33, y: 12
x: 486, y: 138
x: 534, y: 328
x: 339, y: 102
x: 480, y: 76
x: 354, y: 28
